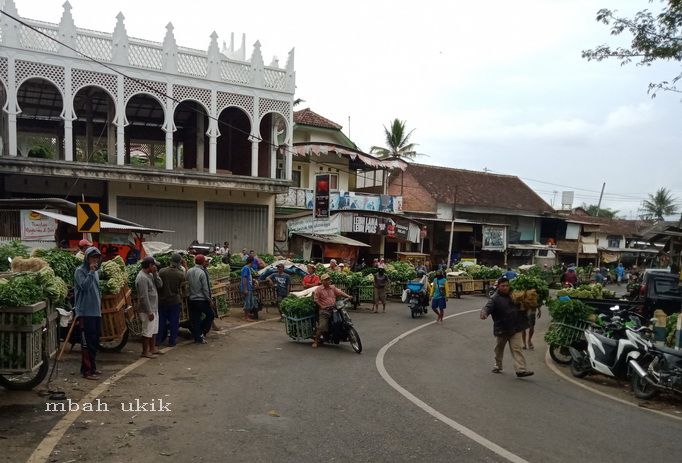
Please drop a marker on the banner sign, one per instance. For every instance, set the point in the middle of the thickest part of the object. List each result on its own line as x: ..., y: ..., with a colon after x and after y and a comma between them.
x: 494, y: 238
x: 330, y: 226
x: 321, y: 196
x: 37, y: 227
x: 363, y: 224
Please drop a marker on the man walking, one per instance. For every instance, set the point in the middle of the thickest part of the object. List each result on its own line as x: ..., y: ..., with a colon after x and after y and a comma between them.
x: 200, y: 299
x: 88, y: 308
x: 380, y: 282
x: 281, y: 281
x: 147, y: 282
x: 620, y: 273
x: 509, y: 323
x: 246, y: 288
x: 170, y: 300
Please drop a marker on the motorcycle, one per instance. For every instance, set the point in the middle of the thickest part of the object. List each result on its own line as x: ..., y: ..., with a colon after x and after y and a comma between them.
x: 341, y: 327
x: 608, y: 356
x: 417, y: 301
x: 659, y: 369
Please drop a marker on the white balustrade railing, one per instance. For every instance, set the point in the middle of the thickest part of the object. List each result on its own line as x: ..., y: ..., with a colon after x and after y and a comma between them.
x: 148, y: 54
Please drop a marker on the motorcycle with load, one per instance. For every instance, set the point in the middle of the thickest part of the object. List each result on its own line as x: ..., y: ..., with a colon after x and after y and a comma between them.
x: 341, y: 327
x: 417, y: 300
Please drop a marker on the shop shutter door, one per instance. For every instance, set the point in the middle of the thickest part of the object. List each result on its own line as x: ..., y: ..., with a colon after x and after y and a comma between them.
x: 179, y: 216
x: 242, y: 225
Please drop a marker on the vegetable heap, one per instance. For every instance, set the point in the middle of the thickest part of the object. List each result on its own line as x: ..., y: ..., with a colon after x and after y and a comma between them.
x: 53, y: 286
x: 219, y: 270
x: 297, y: 307
x: 593, y: 291
x: 113, y: 277
x: 529, y: 291
x: 400, y: 272
x: 20, y: 290
x: 567, y: 312
x: 62, y: 262
x: 671, y: 327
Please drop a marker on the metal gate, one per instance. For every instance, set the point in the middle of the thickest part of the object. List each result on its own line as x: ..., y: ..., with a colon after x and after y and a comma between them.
x: 242, y: 225
x: 178, y: 216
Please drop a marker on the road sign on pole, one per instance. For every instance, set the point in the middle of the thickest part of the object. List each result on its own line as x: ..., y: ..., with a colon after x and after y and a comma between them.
x: 87, y: 217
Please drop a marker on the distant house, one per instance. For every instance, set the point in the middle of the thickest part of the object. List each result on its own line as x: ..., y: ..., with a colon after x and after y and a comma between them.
x: 584, y: 239
x: 498, y: 218
x: 361, y: 224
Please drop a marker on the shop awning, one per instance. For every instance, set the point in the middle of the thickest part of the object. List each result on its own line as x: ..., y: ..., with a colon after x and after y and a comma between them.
x: 333, y: 239
x: 107, y: 226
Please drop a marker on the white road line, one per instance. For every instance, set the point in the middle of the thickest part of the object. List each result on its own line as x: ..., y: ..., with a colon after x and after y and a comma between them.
x: 506, y: 454
x: 43, y: 451
x: 550, y: 364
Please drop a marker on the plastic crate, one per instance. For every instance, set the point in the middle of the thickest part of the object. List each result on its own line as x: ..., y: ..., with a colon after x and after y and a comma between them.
x: 300, y: 329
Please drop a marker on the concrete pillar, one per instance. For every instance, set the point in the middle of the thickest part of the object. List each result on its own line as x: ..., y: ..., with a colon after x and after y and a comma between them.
x: 254, y: 157
x: 68, y: 115
x: 112, y: 204
x: 169, y: 150
x: 382, y: 245
x: 11, y: 107
x: 213, y: 134
x: 200, y: 221
x: 271, y: 224
x: 273, y: 149
x: 212, y: 154
x: 288, y: 163
x: 120, y: 123
x: 200, y: 142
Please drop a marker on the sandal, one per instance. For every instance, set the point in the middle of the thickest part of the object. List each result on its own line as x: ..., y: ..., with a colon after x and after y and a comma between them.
x: 497, y: 370
x: 531, y: 347
x: 315, y: 345
x: 148, y: 356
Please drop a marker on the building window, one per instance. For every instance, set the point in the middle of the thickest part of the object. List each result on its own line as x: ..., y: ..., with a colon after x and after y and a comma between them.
x: 614, y: 241
x: 333, y: 182
x: 295, y: 177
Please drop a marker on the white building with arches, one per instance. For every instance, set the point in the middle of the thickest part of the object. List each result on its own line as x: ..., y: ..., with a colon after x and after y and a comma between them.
x: 179, y: 139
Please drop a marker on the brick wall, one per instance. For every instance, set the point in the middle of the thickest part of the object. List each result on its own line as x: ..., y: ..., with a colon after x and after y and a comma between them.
x: 415, y: 198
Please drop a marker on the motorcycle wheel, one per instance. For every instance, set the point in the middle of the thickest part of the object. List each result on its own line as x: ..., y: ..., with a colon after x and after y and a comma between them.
x: 578, y: 371
x: 560, y: 354
x: 640, y: 386
x: 413, y: 313
x: 354, y: 339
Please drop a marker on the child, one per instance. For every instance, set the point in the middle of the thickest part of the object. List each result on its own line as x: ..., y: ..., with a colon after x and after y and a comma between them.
x: 440, y: 295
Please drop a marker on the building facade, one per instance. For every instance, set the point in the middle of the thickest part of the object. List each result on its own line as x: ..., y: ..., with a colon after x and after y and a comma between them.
x: 198, y: 142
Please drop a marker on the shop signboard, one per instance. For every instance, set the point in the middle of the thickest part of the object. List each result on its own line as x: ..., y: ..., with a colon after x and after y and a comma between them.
x: 321, y: 196
x: 494, y: 238
x: 37, y: 227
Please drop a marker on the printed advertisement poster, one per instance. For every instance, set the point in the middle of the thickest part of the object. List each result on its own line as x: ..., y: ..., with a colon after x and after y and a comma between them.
x: 494, y: 238
x: 37, y: 227
x: 322, y: 196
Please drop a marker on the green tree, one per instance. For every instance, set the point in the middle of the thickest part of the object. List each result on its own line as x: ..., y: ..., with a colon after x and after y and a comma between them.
x: 660, y: 204
x: 593, y: 209
x: 655, y: 36
x: 397, y: 142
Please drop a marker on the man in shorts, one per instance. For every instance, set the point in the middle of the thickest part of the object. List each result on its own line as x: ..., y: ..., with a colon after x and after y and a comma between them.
x: 380, y: 282
x: 532, y: 316
x: 147, y: 282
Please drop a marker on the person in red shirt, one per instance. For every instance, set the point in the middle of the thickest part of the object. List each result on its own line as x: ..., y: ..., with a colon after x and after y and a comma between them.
x: 325, y: 298
x: 311, y: 279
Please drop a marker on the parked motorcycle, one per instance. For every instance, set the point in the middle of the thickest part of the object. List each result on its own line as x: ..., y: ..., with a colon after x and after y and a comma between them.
x: 606, y: 355
x: 417, y: 302
x: 658, y: 369
x: 341, y: 328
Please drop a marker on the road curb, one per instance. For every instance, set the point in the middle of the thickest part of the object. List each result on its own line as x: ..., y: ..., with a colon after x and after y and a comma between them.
x: 550, y: 364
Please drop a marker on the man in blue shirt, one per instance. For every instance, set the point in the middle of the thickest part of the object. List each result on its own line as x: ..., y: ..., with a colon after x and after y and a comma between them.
x: 510, y: 274
x: 246, y: 287
x: 620, y: 273
x: 281, y: 281
x: 88, y: 307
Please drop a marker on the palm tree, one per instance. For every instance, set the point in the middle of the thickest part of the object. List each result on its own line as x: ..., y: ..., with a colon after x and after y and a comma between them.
x: 660, y: 204
x: 594, y: 211
x: 397, y: 142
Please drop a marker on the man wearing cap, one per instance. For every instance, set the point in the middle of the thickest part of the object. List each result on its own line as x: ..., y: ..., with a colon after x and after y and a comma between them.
x: 200, y: 299
x: 82, y: 246
x: 325, y: 298
x: 88, y: 308
x: 147, y: 282
x: 508, y: 324
x: 281, y: 281
x: 170, y: 300
x: 333, y: 266
x: 311, y: 279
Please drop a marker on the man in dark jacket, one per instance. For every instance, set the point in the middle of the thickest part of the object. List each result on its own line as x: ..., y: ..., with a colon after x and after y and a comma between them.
x: 88, y: 308
x: 509, y: 324
x: 170, y: 300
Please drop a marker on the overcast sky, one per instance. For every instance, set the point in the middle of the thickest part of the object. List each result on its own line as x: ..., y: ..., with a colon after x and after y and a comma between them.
x: 497, y: 84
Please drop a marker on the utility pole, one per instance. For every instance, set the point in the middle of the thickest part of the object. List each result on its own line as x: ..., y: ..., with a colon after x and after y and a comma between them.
x: 452, y: 225
x: 600, y: 197
x: 348, y: 126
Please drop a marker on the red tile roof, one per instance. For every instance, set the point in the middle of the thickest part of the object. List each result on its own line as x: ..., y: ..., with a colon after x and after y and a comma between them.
x: 308, y: 117
x: 478, y: 189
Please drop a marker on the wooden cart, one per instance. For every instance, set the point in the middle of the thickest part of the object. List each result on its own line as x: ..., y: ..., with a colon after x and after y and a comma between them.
x: 117, y: 314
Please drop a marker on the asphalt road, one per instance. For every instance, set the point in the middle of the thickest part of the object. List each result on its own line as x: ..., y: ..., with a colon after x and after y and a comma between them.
x: 253, y: 395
